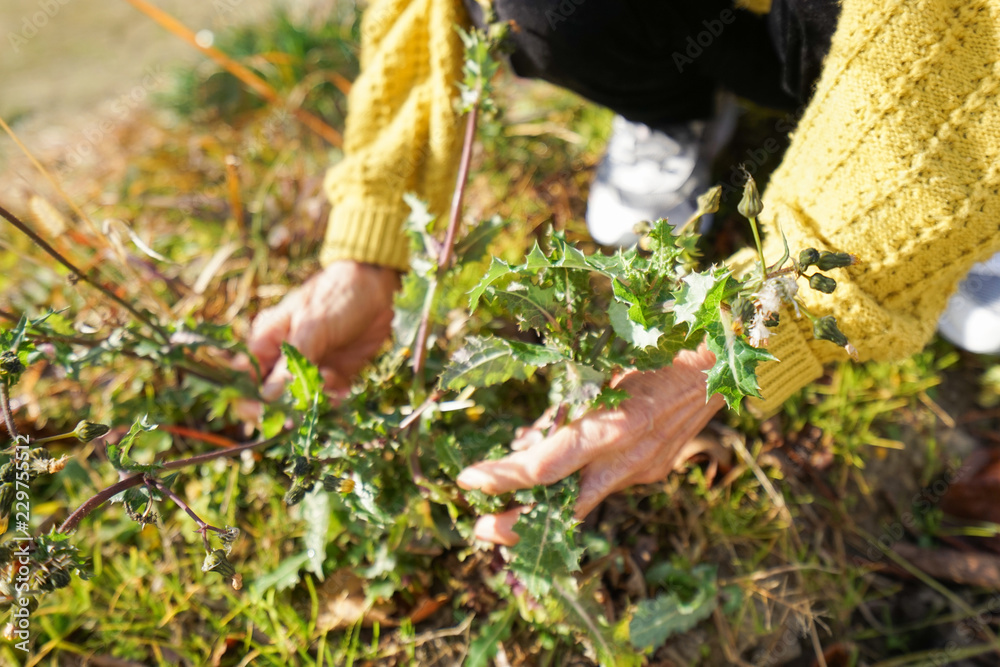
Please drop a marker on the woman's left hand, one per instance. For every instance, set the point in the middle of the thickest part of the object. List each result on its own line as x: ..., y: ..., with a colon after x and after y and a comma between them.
x: 638, y: 443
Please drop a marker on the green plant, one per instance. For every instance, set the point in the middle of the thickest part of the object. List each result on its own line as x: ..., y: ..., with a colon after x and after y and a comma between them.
x: 421, y: 407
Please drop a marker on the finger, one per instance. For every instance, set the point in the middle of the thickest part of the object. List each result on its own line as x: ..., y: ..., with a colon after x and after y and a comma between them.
x: 557, y: 456
x: 275, y: 383
x: 499, y: 528
x: 335, y: 386
x: 248, y: 410
x: 526, y: 437
x: 269, y: 329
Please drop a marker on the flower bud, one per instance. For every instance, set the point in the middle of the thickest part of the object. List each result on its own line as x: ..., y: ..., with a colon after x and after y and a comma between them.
x: 835, y: 260
x: 825, y: 328
x: 751, y: 205
x: 295, y: 494
x: 10, y: 364
x: 86, y: 431
x: 300, y: 467
x: 59, y: 579
x: 227, y: 538
x: 808, y: 257
x: 822, y: 283
x: 708, y: 202
x: 217, y: 562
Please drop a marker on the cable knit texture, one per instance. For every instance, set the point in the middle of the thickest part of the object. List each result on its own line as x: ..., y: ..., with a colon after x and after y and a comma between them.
x: 402, y: 131
x: 896, y: 160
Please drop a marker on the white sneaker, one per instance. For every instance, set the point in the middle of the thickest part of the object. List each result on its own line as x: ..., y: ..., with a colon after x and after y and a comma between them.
x: 650, y: 174
x: 972, y: 318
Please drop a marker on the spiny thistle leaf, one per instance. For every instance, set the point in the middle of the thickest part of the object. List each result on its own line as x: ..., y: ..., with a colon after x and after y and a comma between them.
x: 547, y: 548
x: 534, y: 307
x: 629, y: 329
x: 657, y: 619
x: 734, y: 374
x: 307, y: 434
x: 483, y: 648
x: 498, y: 269
x: 488, y: 361
x: 118, y: 452
x: 698, y: 299
x: 306, y: 382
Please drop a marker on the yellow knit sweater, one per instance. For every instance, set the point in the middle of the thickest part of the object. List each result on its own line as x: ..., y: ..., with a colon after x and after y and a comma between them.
x: 896, y: 160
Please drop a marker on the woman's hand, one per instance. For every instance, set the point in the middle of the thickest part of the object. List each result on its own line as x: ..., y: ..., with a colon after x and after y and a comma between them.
x: 638, y: 443
x: 338, y: 319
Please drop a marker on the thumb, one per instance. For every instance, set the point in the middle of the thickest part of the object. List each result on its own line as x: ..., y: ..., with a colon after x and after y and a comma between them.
x: 269, y: 329
x: 275, y: 383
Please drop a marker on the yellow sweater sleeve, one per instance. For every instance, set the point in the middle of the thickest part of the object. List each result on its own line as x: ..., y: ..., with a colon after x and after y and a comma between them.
x: 402, y: 131
x: 896, y: 160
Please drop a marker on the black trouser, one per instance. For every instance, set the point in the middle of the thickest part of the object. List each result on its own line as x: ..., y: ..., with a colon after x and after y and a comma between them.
x: 662, y: 61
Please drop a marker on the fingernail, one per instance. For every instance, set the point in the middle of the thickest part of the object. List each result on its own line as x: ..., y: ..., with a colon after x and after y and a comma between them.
x: 472, y: 478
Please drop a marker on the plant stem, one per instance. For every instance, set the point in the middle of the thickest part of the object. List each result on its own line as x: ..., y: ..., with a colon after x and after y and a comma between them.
x: 203, y: 526
x: 444, y: 258
x: 463, y: 176
x: 96, y: 501
x: 100, y: 497
x: 8, y: 417
x: 91, y: 280
x: 760, y: 248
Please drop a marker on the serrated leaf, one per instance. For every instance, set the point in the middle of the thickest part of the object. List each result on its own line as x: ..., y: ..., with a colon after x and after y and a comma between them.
x: 547, y: 548
x: 583, y: 613
x: 316, y: 514
x: 488, y: 361
x: 655, y: 620
x: 408, y: 308
x: 734, y: 374
x: 534, y: 307
x: 697, y: 301
x: 498, y: 269
x: 484, y: 648
x: 306, y: 382
x: 118, y: 452
x: 136, y: 498
x: 628, y: 329
x: 363, y: 501
x: 307, y: 433
x: 576, y: 385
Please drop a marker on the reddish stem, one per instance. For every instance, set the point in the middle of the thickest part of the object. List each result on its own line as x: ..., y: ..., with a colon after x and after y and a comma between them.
x: 100, y: 497
x: 444, y: 258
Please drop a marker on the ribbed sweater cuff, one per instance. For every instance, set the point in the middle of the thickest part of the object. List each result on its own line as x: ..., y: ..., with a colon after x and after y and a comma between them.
x: 364, y: 232
x: 798, y: 365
